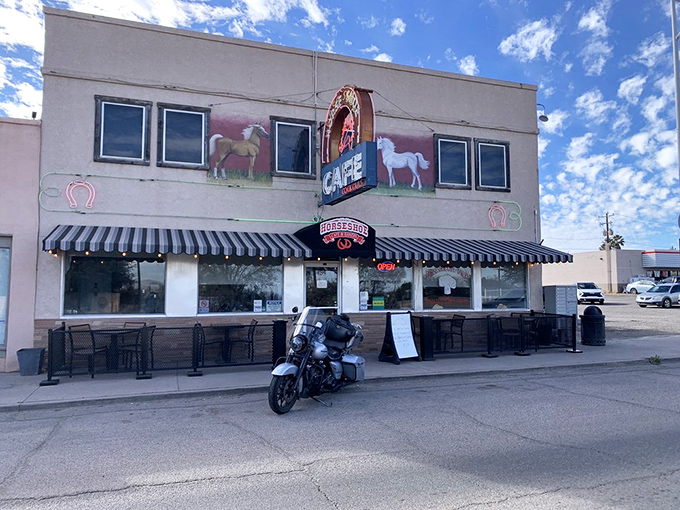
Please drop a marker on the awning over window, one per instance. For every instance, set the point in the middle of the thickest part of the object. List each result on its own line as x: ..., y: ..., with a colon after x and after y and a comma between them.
x: 161, y: 240
x: 466, y: 250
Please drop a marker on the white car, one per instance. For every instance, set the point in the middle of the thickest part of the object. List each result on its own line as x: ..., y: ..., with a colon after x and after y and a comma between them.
x: 664, y: 294
x: 588, y: 292
x: 639, y: 286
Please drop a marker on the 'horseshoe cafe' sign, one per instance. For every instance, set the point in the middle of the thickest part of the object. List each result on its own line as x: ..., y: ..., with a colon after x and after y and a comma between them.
x: 339, y: 237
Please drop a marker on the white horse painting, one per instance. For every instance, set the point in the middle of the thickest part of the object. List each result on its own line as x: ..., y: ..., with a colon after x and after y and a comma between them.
x: 393, y: 160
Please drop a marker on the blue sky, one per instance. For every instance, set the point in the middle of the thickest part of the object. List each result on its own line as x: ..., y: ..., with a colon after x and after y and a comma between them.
x: 604, y: 69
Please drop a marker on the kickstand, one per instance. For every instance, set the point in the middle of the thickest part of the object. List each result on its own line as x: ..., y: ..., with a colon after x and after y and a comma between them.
x: 322, y: 402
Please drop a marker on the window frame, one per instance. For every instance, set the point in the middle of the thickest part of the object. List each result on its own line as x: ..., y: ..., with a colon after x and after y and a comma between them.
x: 274, y: 123
x: 478, y: 173
x: 438, y: 138
x: 160, y: 156
x: 100, y: 101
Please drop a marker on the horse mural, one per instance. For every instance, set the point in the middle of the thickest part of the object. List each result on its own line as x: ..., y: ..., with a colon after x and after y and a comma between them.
x: 393, y: 160
x: 248, y: 147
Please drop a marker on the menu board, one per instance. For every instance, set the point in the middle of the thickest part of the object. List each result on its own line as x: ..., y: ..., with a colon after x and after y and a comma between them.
x: 402, y: 334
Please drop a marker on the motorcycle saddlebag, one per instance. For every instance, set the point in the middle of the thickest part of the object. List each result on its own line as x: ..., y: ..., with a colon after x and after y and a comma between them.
x: 353, y: 367
x: 339, y: 331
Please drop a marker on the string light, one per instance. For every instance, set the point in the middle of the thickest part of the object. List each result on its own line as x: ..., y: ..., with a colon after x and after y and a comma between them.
x: 87, y: 252
x: 124, y: 254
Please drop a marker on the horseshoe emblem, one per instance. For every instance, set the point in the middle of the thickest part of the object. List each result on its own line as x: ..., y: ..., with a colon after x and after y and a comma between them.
x: 504, y: 216
x: 344, y: 244
x: 77, y: 184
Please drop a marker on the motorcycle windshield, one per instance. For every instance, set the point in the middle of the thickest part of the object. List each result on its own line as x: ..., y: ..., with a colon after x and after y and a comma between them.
x: 310, y: 318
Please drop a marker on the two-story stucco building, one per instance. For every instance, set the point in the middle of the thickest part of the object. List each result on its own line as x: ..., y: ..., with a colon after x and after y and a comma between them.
x: 177, y: 167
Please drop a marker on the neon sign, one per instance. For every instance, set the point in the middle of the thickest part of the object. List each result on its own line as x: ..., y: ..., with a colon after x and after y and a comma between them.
x: 385, y: 267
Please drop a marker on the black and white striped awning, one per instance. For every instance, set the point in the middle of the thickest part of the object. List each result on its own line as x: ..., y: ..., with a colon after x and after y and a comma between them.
x: 165, y: 240
x: 466, y: 250
x: 203, y: 242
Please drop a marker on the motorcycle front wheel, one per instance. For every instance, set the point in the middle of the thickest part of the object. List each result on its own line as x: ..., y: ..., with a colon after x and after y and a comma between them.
x: 282, y: 395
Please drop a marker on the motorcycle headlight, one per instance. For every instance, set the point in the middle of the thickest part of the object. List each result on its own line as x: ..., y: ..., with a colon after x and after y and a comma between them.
x: 298, y: 343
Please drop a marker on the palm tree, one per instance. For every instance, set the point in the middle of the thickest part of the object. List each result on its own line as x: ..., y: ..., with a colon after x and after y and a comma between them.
x: 616, y: 242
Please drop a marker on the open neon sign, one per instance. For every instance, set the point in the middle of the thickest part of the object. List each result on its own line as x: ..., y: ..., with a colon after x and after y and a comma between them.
x: 385, y: 267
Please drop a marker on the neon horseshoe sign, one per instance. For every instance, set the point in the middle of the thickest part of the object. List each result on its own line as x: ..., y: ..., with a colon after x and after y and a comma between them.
x: 80, y: 184
x: 504, y: 215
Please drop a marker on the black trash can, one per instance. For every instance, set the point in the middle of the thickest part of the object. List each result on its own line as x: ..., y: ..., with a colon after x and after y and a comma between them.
x: 31, y: 360
x: 592, y: 326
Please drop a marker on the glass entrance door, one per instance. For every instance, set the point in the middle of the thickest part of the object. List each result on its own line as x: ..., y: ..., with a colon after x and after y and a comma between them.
x: 321, y: 284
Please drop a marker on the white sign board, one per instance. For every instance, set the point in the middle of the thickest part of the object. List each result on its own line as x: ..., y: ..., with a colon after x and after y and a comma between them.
x: 403, y: 335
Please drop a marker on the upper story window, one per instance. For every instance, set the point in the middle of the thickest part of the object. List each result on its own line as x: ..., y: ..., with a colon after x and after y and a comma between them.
x: 493, y: 165
x: 293, y: 143
x: 452, y: 155
x: 121, y: 130
x: 182, y: 136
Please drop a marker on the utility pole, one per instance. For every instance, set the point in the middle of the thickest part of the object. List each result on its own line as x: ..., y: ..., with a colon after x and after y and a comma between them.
x: 608, y: 251
x: 676, y: 72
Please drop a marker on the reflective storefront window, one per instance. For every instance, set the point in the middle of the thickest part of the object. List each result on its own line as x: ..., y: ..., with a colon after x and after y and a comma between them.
x: 385, y: 285
x: 504, y: 286
x: 446, y: 285
x: 239, y: 284
x: 114, y: 285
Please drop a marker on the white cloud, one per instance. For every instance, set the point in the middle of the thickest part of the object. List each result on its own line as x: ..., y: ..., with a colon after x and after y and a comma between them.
x: 450, y: 55
x: 383, y: 57
x: 567, y: 67
x: 398, y: 27
x: 542, y: 145
x: 533, y: 39
x: 25, y: 100
x: 468, y: 65
x: 631, y: 89
x: 425, y: 17
x: 580, y: 145
x: 595, y: 20
x: 370, y: 22
x: 555, y: 124
x: 652, y: 49
x: 22, y: 24
x: 597, y: 50
x: 592, y: 105
x: 638, y: 144
x: 595, y: 56
x: 371, y: 49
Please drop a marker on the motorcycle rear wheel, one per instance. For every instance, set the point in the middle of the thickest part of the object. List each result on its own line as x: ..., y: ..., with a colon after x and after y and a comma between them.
x: 282, y: 395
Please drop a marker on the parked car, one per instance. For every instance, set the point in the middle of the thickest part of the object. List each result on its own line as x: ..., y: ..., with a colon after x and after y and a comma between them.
x: 639, y: 287
x: 588, y: 292
x: 671, y: 279
x: 664, y: 294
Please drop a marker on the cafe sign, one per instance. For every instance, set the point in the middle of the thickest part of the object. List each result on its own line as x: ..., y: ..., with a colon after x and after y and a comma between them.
x: 348, y: 152
x: 352, y: 173
x: 339, y: 237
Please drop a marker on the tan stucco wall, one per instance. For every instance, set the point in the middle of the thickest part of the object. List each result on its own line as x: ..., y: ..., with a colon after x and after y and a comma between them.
x: 19, y: 170
x: 592, y: 267
x: 241, y: 78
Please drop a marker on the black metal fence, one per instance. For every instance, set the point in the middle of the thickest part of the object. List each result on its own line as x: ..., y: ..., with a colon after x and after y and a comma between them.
x: 490, y: 335
x: 137, y: 347
x: 80, y: 350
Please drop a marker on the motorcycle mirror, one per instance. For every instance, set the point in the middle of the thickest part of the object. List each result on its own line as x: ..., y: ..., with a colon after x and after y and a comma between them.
x: 295, y: 309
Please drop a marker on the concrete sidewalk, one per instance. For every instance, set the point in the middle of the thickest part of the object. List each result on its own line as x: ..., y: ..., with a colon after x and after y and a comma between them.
x: 23, y: 392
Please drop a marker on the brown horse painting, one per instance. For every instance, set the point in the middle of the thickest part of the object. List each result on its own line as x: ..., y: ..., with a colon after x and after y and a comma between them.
x: 248, y: 147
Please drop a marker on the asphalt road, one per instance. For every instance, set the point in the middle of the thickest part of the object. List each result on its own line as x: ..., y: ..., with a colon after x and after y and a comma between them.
x: 580, y: 438
x: 625, y: 319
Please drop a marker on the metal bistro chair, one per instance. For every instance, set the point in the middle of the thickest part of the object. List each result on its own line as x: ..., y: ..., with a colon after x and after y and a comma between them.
x: 456, y: 330
x: 249, y: 341
x: 82, y: 343
x: 510, y: 333
x: 131, y: 343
